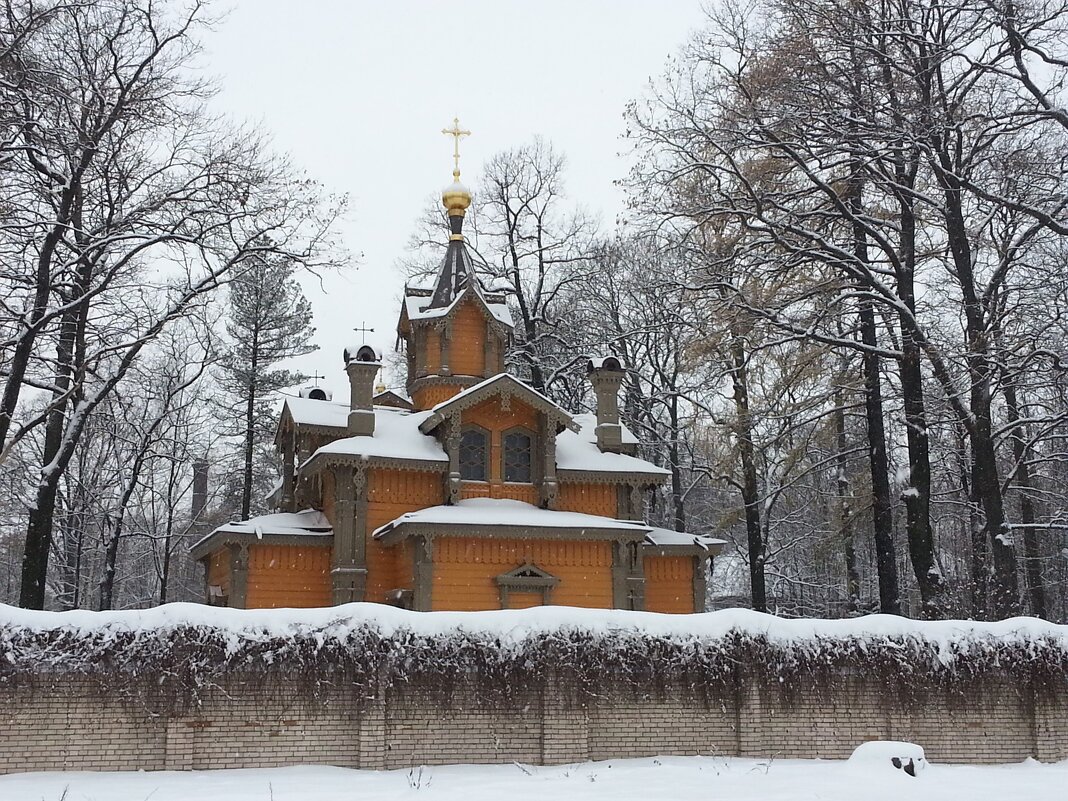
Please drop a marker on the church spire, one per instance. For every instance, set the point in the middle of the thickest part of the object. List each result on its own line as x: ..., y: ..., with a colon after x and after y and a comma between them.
x: 457, y: 269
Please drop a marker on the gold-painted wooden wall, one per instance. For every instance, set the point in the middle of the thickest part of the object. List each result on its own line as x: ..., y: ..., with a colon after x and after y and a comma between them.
x: 527, y: 493
x: 390, y: 494
x: 669, y: 584
x: 465, y: 569
x: 467, y: 346
x: 592, y: 499
x: 524, y: 600
x: 430, y: 396
x: 288, y: 575
x: 432, y: 355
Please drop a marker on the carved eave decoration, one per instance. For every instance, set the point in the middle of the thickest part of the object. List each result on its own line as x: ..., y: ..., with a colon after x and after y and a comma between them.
x: 395, y: 532
x: 319, y: 462
x: 220, y: 539
x: 634, y: 478
x: 505, y: 387
x: 444, y: 319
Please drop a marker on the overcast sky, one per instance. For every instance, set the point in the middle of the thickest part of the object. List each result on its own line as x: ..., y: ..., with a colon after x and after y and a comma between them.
x: 358, y: 92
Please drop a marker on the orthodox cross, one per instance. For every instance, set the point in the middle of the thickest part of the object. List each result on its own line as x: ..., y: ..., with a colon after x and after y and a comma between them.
x: 316, y: 377
x: 363, y: 331
x: 455, y: 132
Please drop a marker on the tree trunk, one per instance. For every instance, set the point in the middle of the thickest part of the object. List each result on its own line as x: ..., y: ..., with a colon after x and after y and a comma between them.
x: 917, y: 495
x: 678, y: 507
x: 986, y: 484
x: 881, y: 506
x: 845, y: 509
x: 42, y: 514
x: 750, y: 485
x: 250, y: 430
x: 1032, y: 553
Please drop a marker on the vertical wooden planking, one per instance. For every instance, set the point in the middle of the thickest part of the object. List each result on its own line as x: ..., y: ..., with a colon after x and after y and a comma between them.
x: 288, y: 576
x: 669, y: 584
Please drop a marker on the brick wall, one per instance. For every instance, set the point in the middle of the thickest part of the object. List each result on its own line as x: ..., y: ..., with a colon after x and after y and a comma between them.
x: 64, y: 725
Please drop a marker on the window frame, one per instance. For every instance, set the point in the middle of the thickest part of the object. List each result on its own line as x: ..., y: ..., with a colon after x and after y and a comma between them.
x: 487, y: 445
x: 504, y: 454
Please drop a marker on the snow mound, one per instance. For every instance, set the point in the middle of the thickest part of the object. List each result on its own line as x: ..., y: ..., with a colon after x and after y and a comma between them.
x: 895, y: 754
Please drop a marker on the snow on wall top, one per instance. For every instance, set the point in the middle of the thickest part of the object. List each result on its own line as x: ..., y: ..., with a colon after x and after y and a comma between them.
x: 499, y: 512
x: 514, y: 627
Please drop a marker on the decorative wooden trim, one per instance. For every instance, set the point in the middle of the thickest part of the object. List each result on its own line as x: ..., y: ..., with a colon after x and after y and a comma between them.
x: 221, y: 539
x: 528, y: 577
x: 318, y: 462
x: 604, y: 477
x: 507, y: 387
x: 517, y: 532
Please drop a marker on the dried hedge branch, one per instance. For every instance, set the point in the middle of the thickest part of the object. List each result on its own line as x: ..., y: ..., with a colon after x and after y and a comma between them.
x: 174, y: 668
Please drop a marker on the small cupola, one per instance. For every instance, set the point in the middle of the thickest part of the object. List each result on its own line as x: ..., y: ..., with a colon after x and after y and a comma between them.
x: 316, y: 393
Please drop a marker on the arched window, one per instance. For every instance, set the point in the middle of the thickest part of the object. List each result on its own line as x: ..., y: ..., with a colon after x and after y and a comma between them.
x: 474, y: 454
x: 518, y: 456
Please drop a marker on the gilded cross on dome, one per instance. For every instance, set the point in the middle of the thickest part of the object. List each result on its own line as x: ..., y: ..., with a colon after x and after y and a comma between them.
x: 456, y: 132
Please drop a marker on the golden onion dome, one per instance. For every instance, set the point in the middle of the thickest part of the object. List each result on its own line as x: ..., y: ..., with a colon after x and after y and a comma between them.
x: 456, y: 196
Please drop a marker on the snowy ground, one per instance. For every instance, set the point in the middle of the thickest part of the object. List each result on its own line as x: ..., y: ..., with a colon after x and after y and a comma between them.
x: 706, y: 778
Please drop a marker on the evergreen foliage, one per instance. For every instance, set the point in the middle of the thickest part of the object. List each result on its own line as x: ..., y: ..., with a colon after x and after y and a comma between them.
x: 269, y: 321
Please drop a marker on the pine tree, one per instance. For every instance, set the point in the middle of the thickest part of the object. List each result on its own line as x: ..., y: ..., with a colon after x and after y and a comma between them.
x: 270, y: 321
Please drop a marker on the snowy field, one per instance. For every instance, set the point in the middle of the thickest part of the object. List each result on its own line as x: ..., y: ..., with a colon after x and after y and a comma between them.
x: 705, y: 778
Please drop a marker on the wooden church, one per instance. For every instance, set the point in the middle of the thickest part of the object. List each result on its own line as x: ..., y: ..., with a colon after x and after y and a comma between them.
x: 474, y: 492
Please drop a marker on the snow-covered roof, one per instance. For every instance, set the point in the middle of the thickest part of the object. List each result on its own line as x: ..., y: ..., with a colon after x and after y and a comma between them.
x: 309, y: 522
x: 502, y: 513
x: 327, y: 414
x: 396, y: 436
x: 667, y: 537
x: 417, y: 305
x: 311, y: 412
x: 579, y: 451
